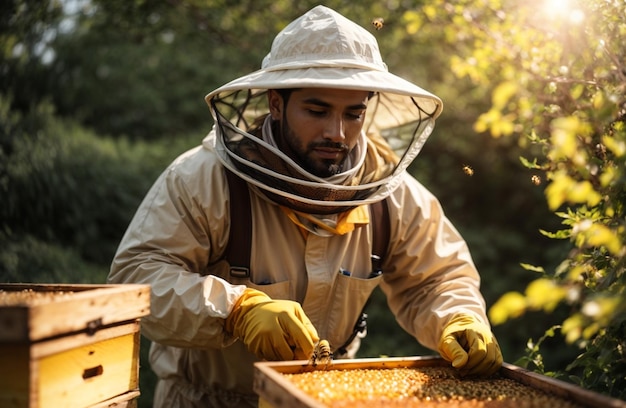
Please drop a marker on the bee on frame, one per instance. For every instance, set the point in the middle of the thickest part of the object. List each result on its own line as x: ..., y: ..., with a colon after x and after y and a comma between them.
x: 321, y: 354
x: 468, y: 170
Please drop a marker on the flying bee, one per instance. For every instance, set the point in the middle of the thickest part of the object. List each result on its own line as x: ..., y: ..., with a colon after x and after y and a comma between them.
x: 378, y: 23
x: 468, y: 170
x: 321, y: 354
x: 536, y: 180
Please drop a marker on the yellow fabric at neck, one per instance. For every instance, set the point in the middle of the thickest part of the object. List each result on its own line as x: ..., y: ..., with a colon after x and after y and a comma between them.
x: 346, y: 222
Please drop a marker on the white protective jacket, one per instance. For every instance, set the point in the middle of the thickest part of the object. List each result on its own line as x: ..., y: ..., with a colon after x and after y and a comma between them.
x: 177, y: 237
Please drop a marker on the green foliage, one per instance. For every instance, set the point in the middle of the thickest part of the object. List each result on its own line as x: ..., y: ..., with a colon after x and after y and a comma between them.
x: 533, y: 358
x: 558, y: 86
x: 65, y: 186
x: 24, y: 41
x: 149, y: 64
x: 603, y: 364
x: 24, y: 258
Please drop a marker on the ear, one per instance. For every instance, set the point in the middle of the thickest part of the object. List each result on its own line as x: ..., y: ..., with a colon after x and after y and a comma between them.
x: 275, y: 101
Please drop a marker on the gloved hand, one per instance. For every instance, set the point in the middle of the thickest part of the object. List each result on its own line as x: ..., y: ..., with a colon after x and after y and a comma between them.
x: 470, y: 346
x: 272, y: 329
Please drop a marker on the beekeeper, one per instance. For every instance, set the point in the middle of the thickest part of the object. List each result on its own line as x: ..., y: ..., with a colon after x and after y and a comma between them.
x: 317, y: 136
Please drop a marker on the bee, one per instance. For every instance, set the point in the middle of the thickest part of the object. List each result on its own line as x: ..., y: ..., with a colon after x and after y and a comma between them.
x: 321, y: 354
x: 378, y: 23
x: 468, y: 170
x: 536, y: 180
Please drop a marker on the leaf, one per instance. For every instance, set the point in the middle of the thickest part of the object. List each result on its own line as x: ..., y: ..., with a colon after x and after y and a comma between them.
x: 572, y: 328
x: 528, y: 164
x: 598, y: 235
x: 533, y: 268
x: 556, y: 192
x: 583, y: 192
x: 618, y: 147
x: 561, y: 234
x: 609, y: 175
x: 563, y: 137
x: 598, y: 100
x: 563, y: 189
x: 544, y: 294
x: 413, y: 21
x: 503, y: 93
x: 510, y: 305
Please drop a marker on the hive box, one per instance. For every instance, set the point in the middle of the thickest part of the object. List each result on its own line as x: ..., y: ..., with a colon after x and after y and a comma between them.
x: 275, y: 390
x: 70, y: 345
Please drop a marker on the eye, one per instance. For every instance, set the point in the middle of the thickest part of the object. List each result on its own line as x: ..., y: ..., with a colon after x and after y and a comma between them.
x: 355, y: 115
x: 315, y: 112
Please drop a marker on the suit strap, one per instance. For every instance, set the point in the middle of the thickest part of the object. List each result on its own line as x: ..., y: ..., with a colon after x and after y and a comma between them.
x: 240, y: 237
x: 381, y: 228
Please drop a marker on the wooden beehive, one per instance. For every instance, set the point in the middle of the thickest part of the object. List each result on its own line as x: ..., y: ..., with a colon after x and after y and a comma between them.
x: 70, y: 345
x: 275, y: 390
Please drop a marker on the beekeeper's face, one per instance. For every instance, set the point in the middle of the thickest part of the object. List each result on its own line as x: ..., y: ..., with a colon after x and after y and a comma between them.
x: 318, y: 127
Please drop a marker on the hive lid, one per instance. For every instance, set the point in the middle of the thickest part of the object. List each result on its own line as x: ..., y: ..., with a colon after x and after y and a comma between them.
x: 32, y: 312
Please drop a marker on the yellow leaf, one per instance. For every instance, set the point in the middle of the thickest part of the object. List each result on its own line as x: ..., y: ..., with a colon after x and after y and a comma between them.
x: 577, y: 91
x: 598, y: 100
x: 609, y: 211
x: 563, y: 189
x: 503, y: 93
x: 509, y: 306
x: 618, y: 147
x: 544, y: 294
x: 572, y: 328
x: 525, y: 108
x: 563, y: 137
x: 608, y: 175
x: 590, y: 330
x: 583, y: 192
x: 413, y: 21
x: 601, y: 309
x: 570, y: 124
x: 486, y: 120
x: 599, y: 235
x: 503, y: 127
x: 576, y: 273
x: 430, y: 11
x: 556, y: 191
x: 410, y: 15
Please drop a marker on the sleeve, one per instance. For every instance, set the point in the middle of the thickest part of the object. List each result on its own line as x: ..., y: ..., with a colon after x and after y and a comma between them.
x: 169, y: 243
x: 429, y: 275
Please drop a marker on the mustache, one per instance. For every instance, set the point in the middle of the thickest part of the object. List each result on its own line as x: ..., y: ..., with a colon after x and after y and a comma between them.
x: 330, y: 145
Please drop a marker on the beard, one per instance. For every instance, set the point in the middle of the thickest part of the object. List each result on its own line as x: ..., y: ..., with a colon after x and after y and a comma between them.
x: 321, y: 167
x: 303, y: 155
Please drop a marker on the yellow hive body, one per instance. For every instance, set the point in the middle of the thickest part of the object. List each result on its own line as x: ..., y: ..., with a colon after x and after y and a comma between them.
x: 70, y: 345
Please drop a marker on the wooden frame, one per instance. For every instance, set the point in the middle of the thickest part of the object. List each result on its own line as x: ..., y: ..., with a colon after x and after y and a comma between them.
x: 276, y: 391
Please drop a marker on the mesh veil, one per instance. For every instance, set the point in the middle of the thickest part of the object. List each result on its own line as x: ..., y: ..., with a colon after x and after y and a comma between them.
x: 395, y: 129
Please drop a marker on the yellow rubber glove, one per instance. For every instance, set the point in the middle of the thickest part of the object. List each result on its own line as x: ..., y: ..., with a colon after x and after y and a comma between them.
x: 272, y: 329
x: 470, y: 346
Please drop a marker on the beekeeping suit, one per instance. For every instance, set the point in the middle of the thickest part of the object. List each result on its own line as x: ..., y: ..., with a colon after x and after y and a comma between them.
x: 307, y: 231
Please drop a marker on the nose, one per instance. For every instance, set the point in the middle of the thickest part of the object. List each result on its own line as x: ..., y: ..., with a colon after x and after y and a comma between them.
x: 334, y: 129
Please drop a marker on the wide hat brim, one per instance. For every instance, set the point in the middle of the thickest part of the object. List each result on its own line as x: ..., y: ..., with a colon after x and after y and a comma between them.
x: 334, y: 77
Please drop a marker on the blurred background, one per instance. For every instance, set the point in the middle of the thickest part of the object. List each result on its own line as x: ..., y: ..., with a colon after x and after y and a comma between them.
x: 98, y: 96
